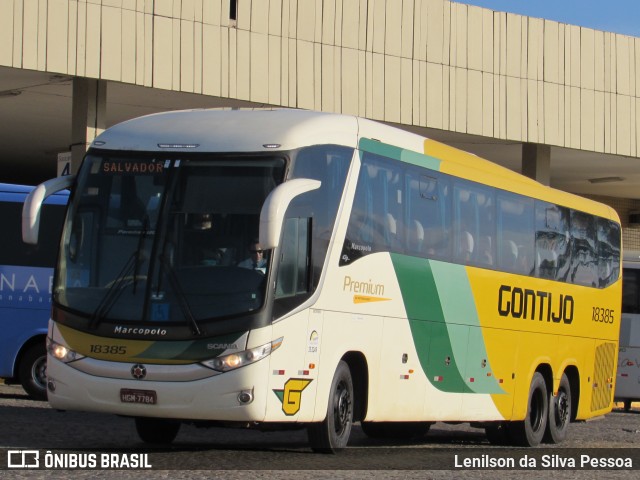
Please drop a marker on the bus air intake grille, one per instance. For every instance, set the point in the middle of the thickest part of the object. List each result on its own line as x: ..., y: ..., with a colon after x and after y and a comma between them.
x: 604, y: 369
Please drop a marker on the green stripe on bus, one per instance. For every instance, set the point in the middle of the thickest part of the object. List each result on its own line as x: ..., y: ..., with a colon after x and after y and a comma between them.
x: 427, y: 322
x: 396, y: 153
x: 458, y: 305
x: 420, y: 160
x: 444, y: 324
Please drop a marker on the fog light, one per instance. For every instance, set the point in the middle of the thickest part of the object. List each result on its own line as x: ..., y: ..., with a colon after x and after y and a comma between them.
x: 245, y: 396
x: 51, y: 385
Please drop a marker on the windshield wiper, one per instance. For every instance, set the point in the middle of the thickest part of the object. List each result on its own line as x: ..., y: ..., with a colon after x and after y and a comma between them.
x: 116, y: 287
x: 182, y: 298
x: 113, y: 293
x: 138, y: 253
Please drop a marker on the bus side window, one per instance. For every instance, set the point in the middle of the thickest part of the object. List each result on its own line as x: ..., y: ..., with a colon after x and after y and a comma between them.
x: 293, y: 271
x: 515, y: 242
x: 608, y: 238
x: 584, y: 262
x: 553, y: 255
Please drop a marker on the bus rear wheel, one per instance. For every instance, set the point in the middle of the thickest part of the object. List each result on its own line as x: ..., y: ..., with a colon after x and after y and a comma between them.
x: 530, y: 431
x: 32, y: 371
x: 396, y: 430
x: 559, y: 412
x: 157, y: 431
x: 332, y: 434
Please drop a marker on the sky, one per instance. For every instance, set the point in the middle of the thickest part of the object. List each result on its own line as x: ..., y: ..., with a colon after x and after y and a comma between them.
x: 619, y: 16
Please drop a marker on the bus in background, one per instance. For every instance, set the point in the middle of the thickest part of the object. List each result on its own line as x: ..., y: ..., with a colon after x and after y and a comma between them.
x: 406, y: 282
x: 26, y: 274
x: 628, y: 381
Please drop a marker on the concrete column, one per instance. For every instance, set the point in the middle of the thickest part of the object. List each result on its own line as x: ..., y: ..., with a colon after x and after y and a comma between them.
x: 536, y: 162
x: 89, y: 112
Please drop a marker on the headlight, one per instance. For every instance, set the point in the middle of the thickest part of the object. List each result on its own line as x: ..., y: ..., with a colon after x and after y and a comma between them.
x: 61, y: 352
x: 240, y: 359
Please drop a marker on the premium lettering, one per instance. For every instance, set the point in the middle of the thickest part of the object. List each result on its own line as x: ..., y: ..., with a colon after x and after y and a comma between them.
x: 538, y: 305
x: 370, y: 288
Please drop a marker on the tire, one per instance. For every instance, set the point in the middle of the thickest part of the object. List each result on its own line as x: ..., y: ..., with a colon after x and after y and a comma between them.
x: 332, y: 434
x: 396, y: 430
x: 627, y: 405
x: 559, y: 413
x: 157, y: 431
x: 498, y: 434
x: 530, y: 431
x: 32, y: 371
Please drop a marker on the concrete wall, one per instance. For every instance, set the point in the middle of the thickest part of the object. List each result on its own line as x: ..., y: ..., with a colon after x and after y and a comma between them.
x: 428, y: 63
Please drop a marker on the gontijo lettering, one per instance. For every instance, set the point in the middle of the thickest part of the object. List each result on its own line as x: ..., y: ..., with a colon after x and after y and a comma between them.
x: 531, y: 304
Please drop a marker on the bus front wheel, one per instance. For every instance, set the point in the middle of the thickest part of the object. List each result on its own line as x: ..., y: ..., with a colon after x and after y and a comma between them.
x: 32, y: 371
x: 332, y: 434
x: 157, y: 431
x: 529, y: 432
x: 559, y: 413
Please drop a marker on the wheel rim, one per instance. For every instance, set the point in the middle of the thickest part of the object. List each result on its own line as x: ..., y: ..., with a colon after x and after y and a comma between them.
x: 562, y: 409
x: 342, y: 409
x: 39, y: 372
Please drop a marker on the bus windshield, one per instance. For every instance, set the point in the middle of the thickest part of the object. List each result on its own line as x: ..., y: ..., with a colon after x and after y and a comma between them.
x: 160, y: 239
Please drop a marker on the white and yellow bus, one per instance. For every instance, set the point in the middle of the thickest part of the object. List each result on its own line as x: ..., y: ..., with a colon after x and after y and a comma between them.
x: 404, y: 283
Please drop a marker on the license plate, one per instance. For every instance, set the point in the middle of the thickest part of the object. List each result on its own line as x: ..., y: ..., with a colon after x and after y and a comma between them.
x: 128, y: 395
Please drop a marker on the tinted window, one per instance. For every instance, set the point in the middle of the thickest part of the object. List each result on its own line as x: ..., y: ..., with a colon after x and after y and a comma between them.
x: 552, y: 241
x: 433, y: 215
x: 13, y: 251
x: 608, y: 238
x: 630, y: 286
x: 584, y: 260
x: 515, y: 242
x: 474, y: 224
x: 428, y: 219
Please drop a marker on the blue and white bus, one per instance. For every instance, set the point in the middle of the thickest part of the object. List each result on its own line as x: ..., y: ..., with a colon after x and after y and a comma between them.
x: 26, y: 273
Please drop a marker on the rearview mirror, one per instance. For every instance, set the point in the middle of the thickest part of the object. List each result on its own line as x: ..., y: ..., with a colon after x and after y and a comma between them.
x: 275, y: 206
x: 33, y: 205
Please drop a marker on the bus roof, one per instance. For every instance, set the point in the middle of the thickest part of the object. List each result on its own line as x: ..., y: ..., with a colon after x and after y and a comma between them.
x: 263, y: 130
x: 217, y: 130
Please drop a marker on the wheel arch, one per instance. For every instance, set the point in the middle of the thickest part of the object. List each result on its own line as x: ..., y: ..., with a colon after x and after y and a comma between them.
x: 547, y: 373
x: 359, y: 368
x: 25, y: 348
x: 573, y: 375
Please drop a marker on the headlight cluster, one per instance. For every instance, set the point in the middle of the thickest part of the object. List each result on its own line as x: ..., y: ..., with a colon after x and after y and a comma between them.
x: 241, y: 359
x: 61, y: 352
